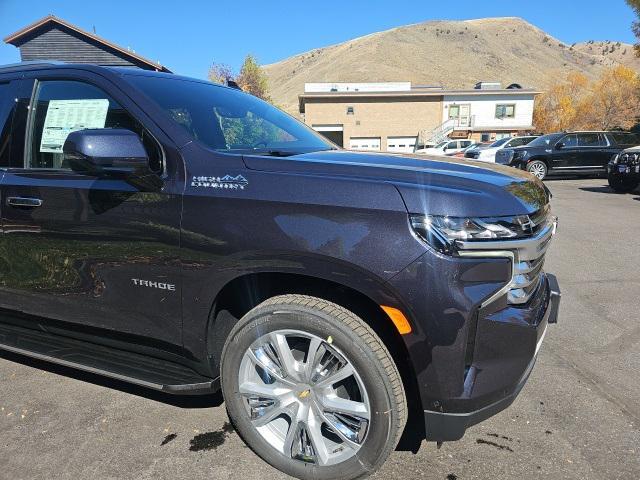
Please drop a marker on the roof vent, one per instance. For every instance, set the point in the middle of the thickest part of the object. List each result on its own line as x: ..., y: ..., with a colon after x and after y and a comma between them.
x: 514, y: 86
x: 488, y: 86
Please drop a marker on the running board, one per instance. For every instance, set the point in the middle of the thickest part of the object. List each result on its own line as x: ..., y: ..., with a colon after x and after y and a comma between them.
x: 154, y: 373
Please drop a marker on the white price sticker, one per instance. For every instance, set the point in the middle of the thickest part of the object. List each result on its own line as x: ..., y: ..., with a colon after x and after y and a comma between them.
x: 66, y: 116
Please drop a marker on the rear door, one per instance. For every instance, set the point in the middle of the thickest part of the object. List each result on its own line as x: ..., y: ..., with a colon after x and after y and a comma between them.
x: 94, y: 253
x: 592, y: 152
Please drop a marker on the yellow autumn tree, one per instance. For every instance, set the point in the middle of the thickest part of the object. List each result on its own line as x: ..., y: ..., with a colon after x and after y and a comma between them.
x: 559, y: 107
x: 252, y: 78
x: 611, y: 101
x: 614, y: 100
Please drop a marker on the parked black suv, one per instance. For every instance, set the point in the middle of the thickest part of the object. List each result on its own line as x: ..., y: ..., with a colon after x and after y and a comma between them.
x: 188, y: 237
x: 575, y: 153
x: 623, y: 171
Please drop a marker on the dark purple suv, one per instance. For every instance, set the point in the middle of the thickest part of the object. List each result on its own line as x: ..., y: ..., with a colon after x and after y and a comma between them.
x: 188, y: 237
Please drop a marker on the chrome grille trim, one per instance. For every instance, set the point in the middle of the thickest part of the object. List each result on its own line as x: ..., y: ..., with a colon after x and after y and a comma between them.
x: 527, y: 259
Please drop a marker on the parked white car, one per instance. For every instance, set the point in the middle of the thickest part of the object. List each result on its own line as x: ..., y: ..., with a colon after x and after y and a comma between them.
x: 448, y: 147
x: 489, y: 154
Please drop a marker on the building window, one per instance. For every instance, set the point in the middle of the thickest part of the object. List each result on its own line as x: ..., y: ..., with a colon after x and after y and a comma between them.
x: 505, y: 110
x: 485, y: 137
x: 454, y: 111
x: 349, y: 110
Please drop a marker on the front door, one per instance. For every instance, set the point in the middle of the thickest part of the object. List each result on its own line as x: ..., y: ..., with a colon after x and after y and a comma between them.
x: 93, y: 253
x: 563, y: 156
x: 461, y: 114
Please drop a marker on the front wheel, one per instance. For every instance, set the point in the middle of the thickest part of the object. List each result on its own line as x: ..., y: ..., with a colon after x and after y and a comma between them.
x: 622, y: 185
x: 537, y: 168
x: 312, y: 389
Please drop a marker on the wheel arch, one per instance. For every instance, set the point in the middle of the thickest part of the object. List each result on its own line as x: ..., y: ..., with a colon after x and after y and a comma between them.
x: 540, y: 158
x: 243, y: 293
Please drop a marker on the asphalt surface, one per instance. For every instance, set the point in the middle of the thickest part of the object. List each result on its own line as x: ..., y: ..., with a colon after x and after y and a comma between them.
x: 577, y: 418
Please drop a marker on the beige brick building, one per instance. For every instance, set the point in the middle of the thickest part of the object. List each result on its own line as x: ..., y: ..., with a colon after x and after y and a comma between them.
x: 392, y: 116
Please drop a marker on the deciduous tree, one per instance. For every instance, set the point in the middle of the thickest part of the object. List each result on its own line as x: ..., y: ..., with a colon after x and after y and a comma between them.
x: 557, y: 109
x: 252, y: 79
x: 635, y: 26
x: 220, y: 73
x: 612, y: 101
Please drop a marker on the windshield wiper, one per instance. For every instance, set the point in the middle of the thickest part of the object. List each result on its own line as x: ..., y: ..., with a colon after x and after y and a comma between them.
x: 280, y: 153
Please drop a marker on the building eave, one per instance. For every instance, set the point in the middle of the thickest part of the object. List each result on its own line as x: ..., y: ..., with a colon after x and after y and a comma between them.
x: 14, y: 39
x: 500, y: 128
x: 416, y: 93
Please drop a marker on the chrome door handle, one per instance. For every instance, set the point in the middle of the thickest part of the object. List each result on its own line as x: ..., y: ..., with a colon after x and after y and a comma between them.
x: 24, y: 202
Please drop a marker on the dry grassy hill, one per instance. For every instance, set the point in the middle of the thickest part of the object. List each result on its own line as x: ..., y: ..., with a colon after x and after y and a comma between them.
x: 454, y: 54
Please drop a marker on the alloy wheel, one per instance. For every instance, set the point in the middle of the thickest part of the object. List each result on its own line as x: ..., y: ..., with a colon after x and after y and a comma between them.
x: 304, y: 397
x: 538, y: 170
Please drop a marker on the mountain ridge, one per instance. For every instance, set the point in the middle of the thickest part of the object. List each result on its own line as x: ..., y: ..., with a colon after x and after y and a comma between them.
x: 452, y: 53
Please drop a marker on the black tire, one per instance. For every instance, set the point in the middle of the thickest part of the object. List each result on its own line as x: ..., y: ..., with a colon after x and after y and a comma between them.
x: 622, y: 185
x: 538, y: 169
x: 367, y: 354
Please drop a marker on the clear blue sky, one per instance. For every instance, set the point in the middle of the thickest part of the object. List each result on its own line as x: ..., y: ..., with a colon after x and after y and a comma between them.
x: 188, y: 35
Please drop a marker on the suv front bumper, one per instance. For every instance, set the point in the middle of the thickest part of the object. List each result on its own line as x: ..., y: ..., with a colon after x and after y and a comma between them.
x: 441, y: 427
x: 624, y: 171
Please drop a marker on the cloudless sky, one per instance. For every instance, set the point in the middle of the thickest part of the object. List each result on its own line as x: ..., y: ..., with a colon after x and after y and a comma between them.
x: 188, y: 35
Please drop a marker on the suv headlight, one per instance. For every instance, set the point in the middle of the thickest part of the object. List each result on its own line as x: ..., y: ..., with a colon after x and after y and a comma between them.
x: 520, y: 154
x: 441, y: 232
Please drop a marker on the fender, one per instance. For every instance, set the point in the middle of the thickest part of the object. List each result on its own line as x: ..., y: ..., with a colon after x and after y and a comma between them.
x: 203, y: 284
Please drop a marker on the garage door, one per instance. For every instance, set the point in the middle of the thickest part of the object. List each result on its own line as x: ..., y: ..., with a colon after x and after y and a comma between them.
x: 363, y: 143
x: 401, y: 144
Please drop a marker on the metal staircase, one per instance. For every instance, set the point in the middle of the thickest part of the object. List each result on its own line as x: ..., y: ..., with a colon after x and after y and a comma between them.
x: 438, y: 134
x: 442, y: 131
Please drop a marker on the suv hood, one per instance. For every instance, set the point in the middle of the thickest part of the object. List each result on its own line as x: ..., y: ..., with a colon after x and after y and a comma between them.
x: 434, y: 185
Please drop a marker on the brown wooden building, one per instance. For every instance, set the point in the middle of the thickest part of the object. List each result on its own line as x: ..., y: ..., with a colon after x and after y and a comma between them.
x: 52, y: 38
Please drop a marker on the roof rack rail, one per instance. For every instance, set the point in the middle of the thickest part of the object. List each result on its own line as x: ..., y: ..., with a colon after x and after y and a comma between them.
x: 30, y: 63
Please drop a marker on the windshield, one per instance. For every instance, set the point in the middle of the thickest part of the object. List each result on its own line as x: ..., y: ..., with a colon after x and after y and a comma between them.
x: 229, y: 120
x: 441, y: 144
x: 500, y: 142
x: 545, y: 140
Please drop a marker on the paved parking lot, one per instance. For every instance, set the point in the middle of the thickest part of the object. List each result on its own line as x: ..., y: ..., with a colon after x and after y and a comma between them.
x: 577, y: 418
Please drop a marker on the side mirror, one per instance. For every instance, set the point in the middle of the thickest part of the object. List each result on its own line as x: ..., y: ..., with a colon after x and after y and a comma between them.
x: 559, y: 146
x: 106, y: 150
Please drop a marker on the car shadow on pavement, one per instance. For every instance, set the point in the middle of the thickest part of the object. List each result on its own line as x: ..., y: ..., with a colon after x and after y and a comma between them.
x: 180, y: 401
x: 607, y: 190
x: 603, y: 189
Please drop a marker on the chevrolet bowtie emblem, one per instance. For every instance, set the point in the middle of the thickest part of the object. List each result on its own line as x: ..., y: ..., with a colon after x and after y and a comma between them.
x: 304, y: 394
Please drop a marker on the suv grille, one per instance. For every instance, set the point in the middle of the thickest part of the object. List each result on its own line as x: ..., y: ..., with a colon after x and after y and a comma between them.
x: 504, y: 156
x: 629, y: 159
x: 527, y: 256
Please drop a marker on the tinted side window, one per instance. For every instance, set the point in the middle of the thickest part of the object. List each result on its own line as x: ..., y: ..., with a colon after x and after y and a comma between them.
x: 590, y: 140
x: 6, y: 110
x: 569, y: 141
x: 517, y: 142
x: 64, y: 106
x: 625, y: 139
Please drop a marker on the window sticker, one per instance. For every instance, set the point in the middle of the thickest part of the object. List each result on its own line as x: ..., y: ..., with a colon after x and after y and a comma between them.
x: 66, y: 116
